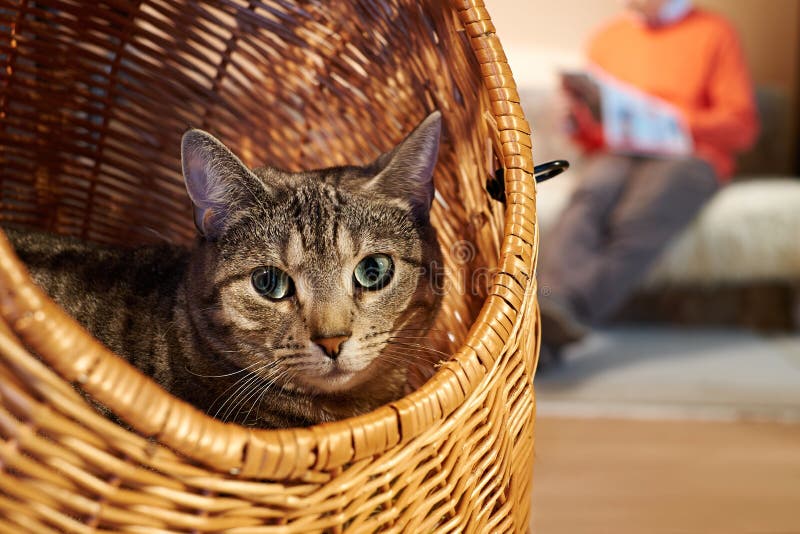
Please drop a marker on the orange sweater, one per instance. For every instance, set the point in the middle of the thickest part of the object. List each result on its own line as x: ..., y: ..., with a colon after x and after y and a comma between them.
x: 695, y: 64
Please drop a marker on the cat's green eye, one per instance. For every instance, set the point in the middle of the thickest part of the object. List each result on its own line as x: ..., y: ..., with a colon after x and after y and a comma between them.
x: 374, y: 271
x: 272, y: 283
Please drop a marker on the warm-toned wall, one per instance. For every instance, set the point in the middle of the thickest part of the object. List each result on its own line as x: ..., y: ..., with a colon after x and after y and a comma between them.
x: 769, y: 30
x: 541, y: 36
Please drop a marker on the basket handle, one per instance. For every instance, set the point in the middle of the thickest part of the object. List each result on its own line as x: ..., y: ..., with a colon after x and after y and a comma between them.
x: 541, y: 173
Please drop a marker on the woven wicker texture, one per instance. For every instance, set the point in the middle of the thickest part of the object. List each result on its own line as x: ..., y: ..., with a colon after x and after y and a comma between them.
x: 94, y: 97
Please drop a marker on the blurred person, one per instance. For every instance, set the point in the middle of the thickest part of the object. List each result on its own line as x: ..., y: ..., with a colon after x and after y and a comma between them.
x: 626, y: 208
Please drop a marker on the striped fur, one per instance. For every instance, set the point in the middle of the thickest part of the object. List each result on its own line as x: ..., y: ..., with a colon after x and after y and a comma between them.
x: 191, y: 319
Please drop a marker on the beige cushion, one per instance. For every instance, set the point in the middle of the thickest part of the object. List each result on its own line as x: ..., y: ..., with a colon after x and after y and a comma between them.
x: 749, y: 231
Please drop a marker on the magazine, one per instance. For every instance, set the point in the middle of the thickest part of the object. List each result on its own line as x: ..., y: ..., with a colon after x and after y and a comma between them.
x: 632, y: 121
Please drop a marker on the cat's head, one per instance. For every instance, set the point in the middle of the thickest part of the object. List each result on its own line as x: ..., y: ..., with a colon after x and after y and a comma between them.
x: 318, y: 280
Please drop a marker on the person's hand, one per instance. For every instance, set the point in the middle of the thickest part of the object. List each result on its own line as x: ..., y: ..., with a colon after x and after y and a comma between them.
x: 582, y: 125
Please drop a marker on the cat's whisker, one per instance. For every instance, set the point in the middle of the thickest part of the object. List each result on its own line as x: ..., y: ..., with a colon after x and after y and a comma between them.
x: 417, y: 345
x: 232, y: 386
x: 397, y: 346
x: 426, y: 364
x: 400, y: 361
x: 242, y: 370
x: 243, y: 392
x: 394, y: 356
x: 409, y: 337
x: 388, y: 343
x: 286, y: 375
x: 415, y: 336
x: 419, y: 342
x: 230, y: 411
x: 257, y: 402
x: 241, y: 384
x: 420, y: 359
x: 425, y: 358
x: 259, y: 392
x: 405, y: 329
x: 236, y: 386
x: 430, y: 331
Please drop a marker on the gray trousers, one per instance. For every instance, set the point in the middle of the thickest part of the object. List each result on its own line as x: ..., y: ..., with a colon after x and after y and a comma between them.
x: 618, y: 221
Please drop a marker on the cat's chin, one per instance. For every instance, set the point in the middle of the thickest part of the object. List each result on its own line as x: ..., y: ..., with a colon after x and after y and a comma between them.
x: 335, y: 381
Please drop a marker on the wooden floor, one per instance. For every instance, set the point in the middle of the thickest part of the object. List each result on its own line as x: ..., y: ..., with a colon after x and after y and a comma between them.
x: 609, y: 476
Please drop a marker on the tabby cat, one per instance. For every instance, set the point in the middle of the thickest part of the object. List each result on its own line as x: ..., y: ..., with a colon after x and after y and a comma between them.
x: 302, y: 300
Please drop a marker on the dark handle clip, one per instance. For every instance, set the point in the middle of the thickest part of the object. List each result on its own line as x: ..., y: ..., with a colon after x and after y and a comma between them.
x: 548, y: 170
x: 541, y: 173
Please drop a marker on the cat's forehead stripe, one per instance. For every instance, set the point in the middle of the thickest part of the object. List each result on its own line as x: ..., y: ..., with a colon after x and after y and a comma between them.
x: 346, y: 245
x: 294, y: 249
x: 318, y: 216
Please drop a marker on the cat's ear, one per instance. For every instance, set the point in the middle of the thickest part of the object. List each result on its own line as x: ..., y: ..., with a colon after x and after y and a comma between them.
x: 406, y: 172
x: 216, y: 181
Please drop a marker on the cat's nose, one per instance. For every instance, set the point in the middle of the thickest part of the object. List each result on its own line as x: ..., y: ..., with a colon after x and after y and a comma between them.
x: 331, y: 345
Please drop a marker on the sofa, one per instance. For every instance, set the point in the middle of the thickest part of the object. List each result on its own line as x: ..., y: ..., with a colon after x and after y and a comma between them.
x: 738, y: 263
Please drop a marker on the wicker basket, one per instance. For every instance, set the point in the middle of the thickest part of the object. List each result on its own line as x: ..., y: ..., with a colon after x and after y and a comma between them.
x: 94, y: 97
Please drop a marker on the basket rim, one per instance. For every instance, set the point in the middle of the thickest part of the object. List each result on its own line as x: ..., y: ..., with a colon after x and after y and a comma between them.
x: 287, y: 453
